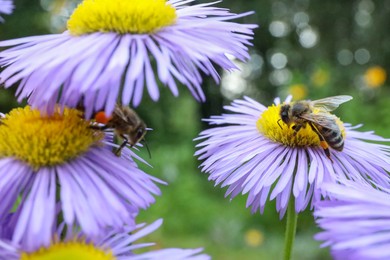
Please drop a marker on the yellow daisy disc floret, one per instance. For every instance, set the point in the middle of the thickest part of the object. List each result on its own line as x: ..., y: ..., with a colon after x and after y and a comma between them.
x: 69, y: 250
x: 121, y: 16
x: 41, y: 141
x: 268, y: 125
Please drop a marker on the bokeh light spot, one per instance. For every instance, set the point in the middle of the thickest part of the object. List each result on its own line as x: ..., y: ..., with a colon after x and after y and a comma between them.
x: 320, y: 77
x: 308, y: 38
x: 280, y: 77
x: 278, y: 60
x: 301, y: 19
x: 375, y: 76
x: 254, y: 238
x: 298, y: 91
x: 279, y: 28
x: 345, y: 57
x: 362, y: 56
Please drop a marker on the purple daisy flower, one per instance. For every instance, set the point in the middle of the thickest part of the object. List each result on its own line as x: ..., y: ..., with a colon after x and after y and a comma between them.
x: 6, y: 7
x: 59, y: 163
x: 356, y: 222
x: 253, y: 152
x: 110, y: 49
x: 115, y: 244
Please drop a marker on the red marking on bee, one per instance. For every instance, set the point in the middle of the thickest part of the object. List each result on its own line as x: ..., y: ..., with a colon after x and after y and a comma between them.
x: 102, y: 118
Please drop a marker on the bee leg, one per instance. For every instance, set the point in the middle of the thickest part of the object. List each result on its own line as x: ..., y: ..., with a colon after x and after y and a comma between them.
x: 279, y: 123
x: 323, y: 143
x: 124, y: 143
x: 98, y: 127
x: 296, y: 128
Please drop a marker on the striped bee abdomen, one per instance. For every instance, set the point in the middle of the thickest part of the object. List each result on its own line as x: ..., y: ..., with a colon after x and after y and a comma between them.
x: 333, y: 137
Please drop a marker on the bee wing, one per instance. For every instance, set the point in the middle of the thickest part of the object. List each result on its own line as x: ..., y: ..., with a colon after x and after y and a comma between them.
x: 322, y: 119
x: 119, y: 112
x: 330, y: 103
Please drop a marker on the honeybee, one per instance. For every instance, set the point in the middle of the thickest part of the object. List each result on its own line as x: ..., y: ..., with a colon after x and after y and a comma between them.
x: 126, y: 124
x: 301, y: 113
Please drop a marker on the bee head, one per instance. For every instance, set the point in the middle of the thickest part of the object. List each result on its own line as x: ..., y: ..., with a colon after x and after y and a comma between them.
x: 284, y: 113
x: 137, y: 134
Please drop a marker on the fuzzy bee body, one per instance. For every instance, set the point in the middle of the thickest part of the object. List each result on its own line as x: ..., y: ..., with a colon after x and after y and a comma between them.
x: 126, y: 124
x: 324, y: 124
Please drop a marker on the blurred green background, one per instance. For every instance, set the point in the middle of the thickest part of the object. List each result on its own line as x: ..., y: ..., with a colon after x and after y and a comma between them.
x: 311, y: 49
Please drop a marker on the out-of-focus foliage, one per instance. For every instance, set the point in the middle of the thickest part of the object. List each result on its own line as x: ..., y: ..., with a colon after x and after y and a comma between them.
x: 316, y: 49
x: 311, y: 49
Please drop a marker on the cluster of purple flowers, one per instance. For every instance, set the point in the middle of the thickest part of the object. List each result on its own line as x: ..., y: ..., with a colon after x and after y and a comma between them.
x: 60, y: 181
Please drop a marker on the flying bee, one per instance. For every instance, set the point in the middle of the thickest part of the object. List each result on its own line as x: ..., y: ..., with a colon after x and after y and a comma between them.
x: 126, y: 124
x: 301, y: 113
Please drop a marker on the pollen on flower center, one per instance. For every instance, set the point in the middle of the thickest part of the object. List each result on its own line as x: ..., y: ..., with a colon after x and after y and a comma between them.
x: 69, y: 250
x: 45, y: 140
x: 121, y: 16
x: 268, y: 125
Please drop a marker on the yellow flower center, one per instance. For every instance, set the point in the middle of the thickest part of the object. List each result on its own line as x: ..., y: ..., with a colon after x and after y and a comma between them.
x: 45, y: 140
x: 268, y: 125
x: 121, y: 16
x: 69, y: 250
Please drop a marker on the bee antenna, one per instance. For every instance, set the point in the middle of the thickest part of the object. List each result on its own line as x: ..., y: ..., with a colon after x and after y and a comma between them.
x: 147, y: 148
x: 279, y: 123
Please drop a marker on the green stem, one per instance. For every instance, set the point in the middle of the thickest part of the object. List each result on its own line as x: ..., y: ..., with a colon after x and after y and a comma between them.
x: 291, y: 227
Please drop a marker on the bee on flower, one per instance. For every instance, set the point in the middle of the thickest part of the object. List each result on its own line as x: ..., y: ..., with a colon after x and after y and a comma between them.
x: 288, y: 149
x: 315, y: 114
x: 58, y: 163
